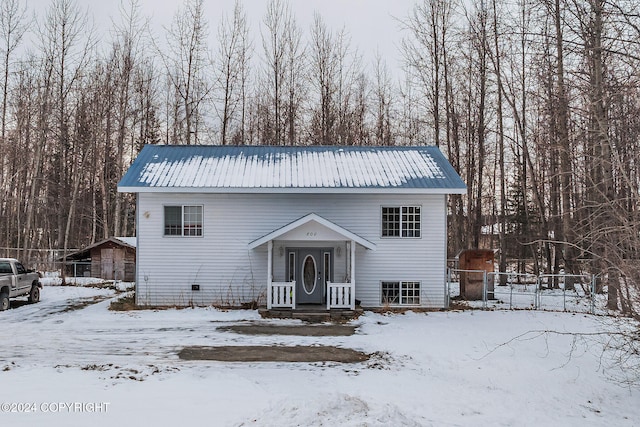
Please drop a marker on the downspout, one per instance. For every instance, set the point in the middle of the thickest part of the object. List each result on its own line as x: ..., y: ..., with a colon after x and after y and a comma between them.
x: 269, y: 273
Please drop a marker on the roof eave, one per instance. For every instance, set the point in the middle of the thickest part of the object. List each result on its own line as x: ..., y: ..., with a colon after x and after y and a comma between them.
x: 291, y: 190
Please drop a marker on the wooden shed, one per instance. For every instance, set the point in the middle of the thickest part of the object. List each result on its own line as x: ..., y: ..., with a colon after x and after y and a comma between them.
x: 110, y: 259
x: 472, y: 264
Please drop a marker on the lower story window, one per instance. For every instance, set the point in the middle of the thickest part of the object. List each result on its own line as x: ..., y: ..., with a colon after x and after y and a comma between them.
x: 402, y: 293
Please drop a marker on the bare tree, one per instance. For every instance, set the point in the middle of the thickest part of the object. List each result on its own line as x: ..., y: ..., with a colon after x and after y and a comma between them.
x: 477, y: 117
x: 605, y: 226
x: 32, y: 112
x: 336, y: 76
x: 276, y: 21
x: 425, y: 54
x: 564, y: 146
x: 13, y: 25
x: 66, y: 46
x: 324, y: 68
x: 383, y: 103
x: 186, y: 69
x: 126, y: 54
x: 294, y: 82
x: 434, y: 85
x: 501, y: 160
x: 232, y: 67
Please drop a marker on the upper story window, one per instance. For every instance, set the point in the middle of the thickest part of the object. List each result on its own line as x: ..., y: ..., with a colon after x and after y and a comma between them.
x: 401, y: 221
x: 183, y: 220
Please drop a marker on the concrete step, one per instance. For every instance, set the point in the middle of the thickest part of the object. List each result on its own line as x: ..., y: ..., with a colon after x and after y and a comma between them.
x: 311, y: 315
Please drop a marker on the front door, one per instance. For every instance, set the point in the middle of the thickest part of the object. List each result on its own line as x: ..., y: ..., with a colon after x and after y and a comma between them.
x: 311, y: 268
x: 106, y: 264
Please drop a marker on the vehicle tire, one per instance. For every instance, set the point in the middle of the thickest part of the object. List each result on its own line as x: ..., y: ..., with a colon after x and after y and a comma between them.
x: 4, y: 302
x: 34, y: 295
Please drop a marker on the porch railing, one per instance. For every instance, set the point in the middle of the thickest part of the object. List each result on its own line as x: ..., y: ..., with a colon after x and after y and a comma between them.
x: 281, y: 294
x: 341, y: 295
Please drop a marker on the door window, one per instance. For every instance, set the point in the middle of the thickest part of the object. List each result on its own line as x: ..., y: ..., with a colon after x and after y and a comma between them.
x: 309, y: 273
x: 327, y: 266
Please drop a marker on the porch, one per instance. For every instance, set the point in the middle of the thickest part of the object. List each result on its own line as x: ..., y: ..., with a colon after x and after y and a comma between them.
x: 339, y: 303
x: 303, y: 260
x: 282, y: 295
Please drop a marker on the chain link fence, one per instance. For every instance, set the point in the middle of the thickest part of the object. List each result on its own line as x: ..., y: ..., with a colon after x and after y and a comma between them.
x: 553, y: 292
x: 49, y: 263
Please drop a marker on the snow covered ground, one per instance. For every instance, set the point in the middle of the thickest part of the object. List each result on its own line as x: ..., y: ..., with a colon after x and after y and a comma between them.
x: 68, y: 361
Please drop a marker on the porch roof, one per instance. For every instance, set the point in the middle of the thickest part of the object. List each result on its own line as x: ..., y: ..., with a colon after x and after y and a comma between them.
x: 325, y: 226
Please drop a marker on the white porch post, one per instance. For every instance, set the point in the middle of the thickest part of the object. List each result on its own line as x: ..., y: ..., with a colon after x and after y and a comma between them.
x: 269, y: 274
x: 353, y: 275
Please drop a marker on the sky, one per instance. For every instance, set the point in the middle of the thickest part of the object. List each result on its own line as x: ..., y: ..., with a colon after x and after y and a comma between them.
x: 69, y: 361
x: 372, y: 24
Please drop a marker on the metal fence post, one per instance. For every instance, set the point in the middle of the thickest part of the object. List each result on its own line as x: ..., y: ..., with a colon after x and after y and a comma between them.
x: 510, y: 293
x: 593, y: 294
x: 484, y: 288
x: 447, y: 289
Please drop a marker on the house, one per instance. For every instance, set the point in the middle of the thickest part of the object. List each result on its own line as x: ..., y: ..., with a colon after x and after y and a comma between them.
x: 110, y: 259
x: 291, y: 226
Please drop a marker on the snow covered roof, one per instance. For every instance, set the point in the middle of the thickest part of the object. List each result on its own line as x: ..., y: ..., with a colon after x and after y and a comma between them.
x: 273, y: 169
x: 131, y: 241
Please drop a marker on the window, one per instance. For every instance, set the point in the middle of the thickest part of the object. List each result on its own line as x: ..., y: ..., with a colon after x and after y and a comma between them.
x: 401, y: 293
x: 183, y: 220
x: 410, y: 293
x: 401, y: 221
x: 390, y: 222
x: 390, y: 292
x: 20, y: 269
x: 5, y: 267
x: 327, y: 267
x: 192, y: 223
x: 292, y: 266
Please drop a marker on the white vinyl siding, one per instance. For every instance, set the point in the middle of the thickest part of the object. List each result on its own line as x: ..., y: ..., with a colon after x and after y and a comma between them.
x: 229, y: 273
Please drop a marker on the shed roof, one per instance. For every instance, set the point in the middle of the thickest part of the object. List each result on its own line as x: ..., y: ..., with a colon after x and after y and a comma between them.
x: 130, y: 242
x: 274, y: 169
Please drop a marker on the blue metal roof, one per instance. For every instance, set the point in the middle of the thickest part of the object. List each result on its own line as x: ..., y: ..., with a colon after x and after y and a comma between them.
x: 253, y: 169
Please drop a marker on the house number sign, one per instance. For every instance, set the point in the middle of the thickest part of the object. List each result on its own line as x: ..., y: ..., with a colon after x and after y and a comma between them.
x: 312, y: 233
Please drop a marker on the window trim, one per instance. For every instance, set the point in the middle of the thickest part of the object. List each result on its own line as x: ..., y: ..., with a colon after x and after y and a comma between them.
x: 401, y: 223
x: 182, y: 221
x: 404, y: 286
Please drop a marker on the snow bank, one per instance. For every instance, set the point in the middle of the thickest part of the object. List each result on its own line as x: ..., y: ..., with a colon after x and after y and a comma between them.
x: 523, y: 368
